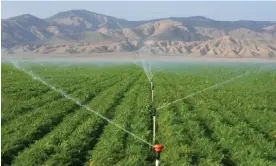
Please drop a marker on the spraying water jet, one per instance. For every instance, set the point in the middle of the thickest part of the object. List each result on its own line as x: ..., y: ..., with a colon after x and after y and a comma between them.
x: 65, y: 95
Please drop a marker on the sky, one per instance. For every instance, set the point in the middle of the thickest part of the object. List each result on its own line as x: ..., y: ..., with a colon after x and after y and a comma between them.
x: 218, y: 10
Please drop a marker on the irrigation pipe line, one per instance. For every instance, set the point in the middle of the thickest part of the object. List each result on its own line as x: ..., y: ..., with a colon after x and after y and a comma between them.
x: 153, y: 111
x: 65, y: 95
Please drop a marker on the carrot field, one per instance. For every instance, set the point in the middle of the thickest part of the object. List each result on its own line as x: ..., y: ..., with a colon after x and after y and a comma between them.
x: 98, y: 114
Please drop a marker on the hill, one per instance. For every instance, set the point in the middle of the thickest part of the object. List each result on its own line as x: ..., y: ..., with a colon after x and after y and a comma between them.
x: 82, y: 31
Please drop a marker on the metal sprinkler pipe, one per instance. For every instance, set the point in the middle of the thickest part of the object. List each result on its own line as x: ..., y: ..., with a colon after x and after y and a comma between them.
x: 153, y: 110
x: 152, y: 90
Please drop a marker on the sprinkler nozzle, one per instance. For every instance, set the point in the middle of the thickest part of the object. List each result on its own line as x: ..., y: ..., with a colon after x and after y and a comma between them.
x: 158, y: 148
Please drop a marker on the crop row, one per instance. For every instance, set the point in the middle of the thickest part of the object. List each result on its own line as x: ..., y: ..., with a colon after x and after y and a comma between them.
x: 67, y: 146
x: 43, y: 118
x: 224, y: 131
x: 115, y: 145
x: 233, y: 124
x: 14, y: 107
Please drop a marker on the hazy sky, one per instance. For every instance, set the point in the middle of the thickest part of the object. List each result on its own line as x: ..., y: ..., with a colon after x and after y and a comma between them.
x: 260, y: 11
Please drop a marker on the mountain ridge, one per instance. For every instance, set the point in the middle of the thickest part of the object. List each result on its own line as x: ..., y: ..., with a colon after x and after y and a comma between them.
x: 82, y: 31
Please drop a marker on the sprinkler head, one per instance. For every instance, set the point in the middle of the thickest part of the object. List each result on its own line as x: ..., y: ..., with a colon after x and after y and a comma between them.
x: 158, y: 148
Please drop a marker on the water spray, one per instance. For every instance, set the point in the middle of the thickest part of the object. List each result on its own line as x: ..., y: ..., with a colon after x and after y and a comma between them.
x: 203, y: 90
x: 65, y: 95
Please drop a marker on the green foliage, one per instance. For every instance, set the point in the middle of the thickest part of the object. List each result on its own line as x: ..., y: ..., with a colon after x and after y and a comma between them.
x: 234, y: 124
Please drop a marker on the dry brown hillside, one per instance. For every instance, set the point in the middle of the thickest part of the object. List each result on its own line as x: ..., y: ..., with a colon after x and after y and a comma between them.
x: 81, y: 31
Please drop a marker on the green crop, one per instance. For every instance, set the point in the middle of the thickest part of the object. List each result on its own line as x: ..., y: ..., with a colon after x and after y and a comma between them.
x: 232, y: 124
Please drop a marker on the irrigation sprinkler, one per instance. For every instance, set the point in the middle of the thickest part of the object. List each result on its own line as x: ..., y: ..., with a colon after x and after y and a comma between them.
x: 158, y: 149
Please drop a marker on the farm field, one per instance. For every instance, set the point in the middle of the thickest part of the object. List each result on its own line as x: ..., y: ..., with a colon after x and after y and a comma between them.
x: 48, y: 114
